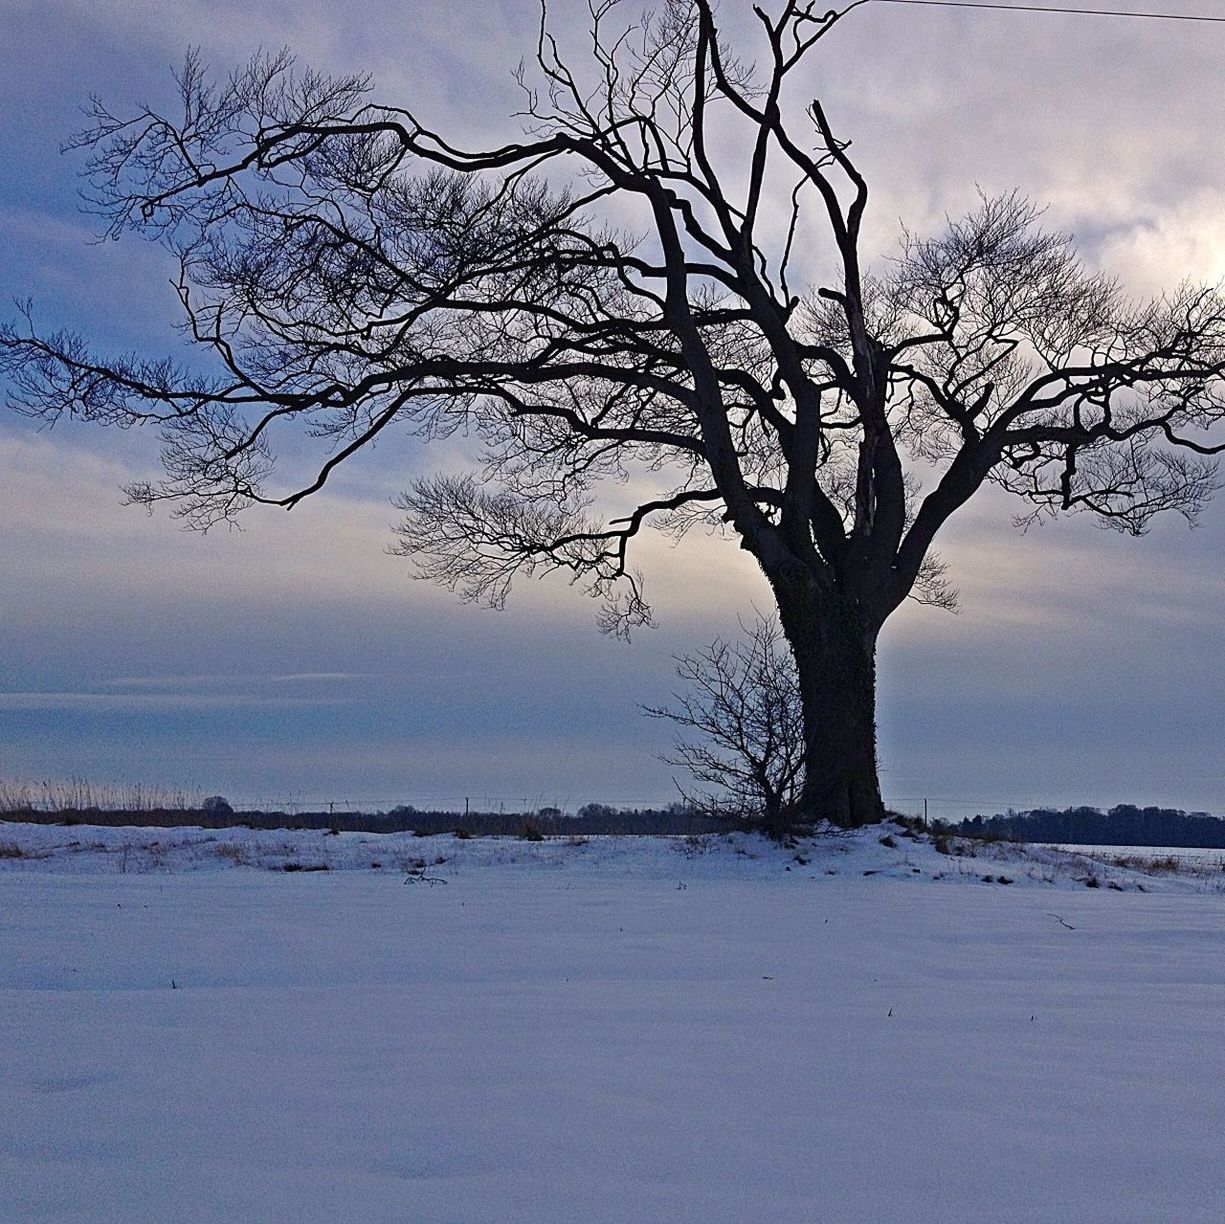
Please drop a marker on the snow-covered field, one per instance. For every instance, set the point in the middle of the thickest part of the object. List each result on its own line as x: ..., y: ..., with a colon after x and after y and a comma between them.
x: 621, y: 1030
x: 1163, y: 857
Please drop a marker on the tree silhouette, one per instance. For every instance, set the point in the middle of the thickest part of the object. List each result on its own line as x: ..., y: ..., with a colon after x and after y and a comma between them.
x: 741, y: 699
x: 612, y: 299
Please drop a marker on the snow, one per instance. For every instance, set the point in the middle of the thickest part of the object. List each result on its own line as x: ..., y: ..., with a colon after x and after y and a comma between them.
x: 623, y: 1030
x: 1202, y: 860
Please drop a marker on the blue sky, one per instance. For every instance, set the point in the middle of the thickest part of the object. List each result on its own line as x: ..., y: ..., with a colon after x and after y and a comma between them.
x: 296, y: 659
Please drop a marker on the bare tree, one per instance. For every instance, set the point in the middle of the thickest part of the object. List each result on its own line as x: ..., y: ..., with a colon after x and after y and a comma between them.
x: 353, y: 273
x: 742, y: 699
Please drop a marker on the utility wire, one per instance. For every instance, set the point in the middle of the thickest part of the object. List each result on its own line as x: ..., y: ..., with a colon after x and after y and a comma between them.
x: 1046, y: 8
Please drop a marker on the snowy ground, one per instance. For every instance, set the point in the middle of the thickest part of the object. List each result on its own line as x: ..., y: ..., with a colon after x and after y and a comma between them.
x: 624, y: 1030
x: 1190, y: 860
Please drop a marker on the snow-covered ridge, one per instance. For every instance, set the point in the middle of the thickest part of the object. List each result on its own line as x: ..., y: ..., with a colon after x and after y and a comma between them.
x: 886, y: 852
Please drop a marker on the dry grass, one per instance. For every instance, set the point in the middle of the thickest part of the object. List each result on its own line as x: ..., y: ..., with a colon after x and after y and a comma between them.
x: 234, y: 853
x: 82, y: 795
x: 1169, y: 864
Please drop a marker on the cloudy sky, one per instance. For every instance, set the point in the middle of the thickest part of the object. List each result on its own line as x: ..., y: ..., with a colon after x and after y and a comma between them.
x: 297, y: 660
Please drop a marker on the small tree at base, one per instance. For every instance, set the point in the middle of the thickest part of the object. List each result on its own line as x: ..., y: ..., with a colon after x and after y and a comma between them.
x: 742, y: 700
x: 353, y: 273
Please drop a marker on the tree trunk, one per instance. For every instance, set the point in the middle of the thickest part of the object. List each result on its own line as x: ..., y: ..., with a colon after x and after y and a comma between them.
x: 835, y: 656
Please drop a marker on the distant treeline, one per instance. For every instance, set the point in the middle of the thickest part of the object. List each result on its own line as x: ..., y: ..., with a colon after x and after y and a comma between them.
x: 1124, y: 825
x: 594, y: 818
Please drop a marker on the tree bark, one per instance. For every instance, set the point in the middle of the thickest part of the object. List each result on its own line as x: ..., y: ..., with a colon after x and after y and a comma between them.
x: 835, y: 654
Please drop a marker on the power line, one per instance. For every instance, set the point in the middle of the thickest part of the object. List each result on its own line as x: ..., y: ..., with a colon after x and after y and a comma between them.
x: 1047, y: 8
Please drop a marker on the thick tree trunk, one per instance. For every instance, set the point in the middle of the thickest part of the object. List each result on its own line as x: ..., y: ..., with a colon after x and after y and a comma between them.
x: 835, y: 656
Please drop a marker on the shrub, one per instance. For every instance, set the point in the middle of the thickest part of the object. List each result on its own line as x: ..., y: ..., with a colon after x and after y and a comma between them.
x: 693, y: 844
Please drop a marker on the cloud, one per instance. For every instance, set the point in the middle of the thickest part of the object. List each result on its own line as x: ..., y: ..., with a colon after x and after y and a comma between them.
x: 1185, y: 241
x: 64, y: 530
x: 230, y: 681
x: 103, y: 702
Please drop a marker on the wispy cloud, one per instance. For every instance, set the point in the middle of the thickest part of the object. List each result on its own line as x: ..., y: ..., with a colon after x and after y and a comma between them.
x: 234, y: 679
x: 150, y: 701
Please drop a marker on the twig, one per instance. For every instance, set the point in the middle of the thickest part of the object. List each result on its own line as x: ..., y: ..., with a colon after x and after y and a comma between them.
x: 419, y: 877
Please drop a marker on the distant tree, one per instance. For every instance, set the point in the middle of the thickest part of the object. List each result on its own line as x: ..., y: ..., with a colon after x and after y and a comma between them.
x: 1123, y: 825
x: 217, y: 805
x: 614, y: 295
x: 742, y: 701
x: 596, y: 812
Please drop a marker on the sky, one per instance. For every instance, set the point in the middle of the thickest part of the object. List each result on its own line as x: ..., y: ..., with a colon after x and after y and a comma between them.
x: 297, y: 661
